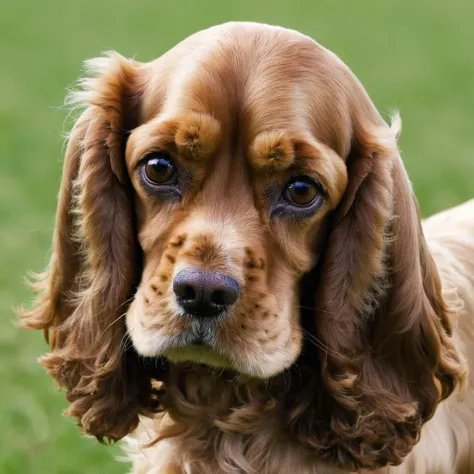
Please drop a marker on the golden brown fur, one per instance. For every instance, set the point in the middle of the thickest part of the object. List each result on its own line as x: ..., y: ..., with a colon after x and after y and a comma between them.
x: 351, y: 332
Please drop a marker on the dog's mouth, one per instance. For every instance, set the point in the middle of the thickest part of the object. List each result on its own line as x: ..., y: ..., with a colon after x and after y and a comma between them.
x: 199, y: 353
x: 201, y: 343
x: 199, y: 349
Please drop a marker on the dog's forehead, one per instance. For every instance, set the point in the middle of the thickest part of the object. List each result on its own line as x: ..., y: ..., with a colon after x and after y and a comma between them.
x: 252, y: 78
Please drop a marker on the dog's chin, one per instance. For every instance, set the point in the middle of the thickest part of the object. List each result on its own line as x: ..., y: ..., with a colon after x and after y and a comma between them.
x: 198, y: 354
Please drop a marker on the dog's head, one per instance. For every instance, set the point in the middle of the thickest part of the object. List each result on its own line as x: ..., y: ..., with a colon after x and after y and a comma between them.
x: 231, y: 203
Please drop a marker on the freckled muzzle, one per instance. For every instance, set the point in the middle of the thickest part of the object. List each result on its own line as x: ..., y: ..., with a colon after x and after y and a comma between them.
x: 205, y: 293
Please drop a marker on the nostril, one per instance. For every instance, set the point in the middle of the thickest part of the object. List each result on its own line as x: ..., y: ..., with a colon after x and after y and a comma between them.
x: 186, y: 292
x: 226, y: 294
x: 218, y: 298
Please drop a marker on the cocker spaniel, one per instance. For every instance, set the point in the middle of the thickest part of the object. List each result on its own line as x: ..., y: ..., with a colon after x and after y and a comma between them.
x: 240, y: 282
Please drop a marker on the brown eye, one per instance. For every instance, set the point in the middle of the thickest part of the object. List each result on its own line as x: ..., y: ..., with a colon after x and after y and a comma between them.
x: 159, y: 169
x: 301, y: 192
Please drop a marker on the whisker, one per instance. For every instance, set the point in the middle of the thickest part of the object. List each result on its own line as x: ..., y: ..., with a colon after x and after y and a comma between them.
x: 317, y: 342
x: 332, y: 313
x: 124, y: 343
x: 117, y: 319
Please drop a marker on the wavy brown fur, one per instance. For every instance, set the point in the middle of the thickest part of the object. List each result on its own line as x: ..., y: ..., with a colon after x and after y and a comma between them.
x: 90, y: 278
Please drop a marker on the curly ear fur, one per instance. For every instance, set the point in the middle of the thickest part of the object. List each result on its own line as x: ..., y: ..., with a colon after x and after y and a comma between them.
x: 90, y: 278
x: 387, y: 358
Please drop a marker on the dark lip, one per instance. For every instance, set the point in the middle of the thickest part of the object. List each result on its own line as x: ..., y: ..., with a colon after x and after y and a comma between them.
x: 198, y: 341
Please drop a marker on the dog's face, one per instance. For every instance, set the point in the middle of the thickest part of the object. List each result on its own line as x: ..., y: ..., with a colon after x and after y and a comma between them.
x: 231, y: 202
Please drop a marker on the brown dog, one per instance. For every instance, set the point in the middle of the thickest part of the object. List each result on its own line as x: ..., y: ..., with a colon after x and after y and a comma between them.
x: 238, y: 257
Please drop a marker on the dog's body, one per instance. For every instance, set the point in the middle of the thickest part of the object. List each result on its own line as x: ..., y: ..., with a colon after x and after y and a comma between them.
x: 239, y: 263
x: 447, y: 441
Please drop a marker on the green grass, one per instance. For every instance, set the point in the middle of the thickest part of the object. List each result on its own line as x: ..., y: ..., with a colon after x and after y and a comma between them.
x: 415, y: 56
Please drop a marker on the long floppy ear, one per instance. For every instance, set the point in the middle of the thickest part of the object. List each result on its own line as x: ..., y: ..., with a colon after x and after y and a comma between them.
x: 92, y: 272
x: 387, y: 357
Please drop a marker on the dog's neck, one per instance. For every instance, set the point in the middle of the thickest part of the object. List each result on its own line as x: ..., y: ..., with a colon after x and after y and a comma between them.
x: 194, y: 393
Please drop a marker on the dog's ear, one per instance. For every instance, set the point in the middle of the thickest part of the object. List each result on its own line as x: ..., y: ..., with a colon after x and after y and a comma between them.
x: 387, y: 357
x: 93, y: 269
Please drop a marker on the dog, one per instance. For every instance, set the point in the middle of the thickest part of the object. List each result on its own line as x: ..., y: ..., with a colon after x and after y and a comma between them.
x: 240, y: 281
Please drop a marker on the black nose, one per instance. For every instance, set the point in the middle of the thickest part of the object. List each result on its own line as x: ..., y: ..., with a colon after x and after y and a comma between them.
x: 205, y: 293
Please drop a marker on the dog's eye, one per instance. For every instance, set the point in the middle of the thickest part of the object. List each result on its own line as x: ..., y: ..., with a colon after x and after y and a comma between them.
x: 159, y: 169
x: 301, y: 191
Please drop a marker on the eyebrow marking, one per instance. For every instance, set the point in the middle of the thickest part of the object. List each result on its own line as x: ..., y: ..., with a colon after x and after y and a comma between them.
x: 193, y: 135
x: 197, y: 135
x: 272, y: 149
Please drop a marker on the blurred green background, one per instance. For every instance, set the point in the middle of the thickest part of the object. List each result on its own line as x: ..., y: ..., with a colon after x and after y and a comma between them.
x: 416, y: 56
